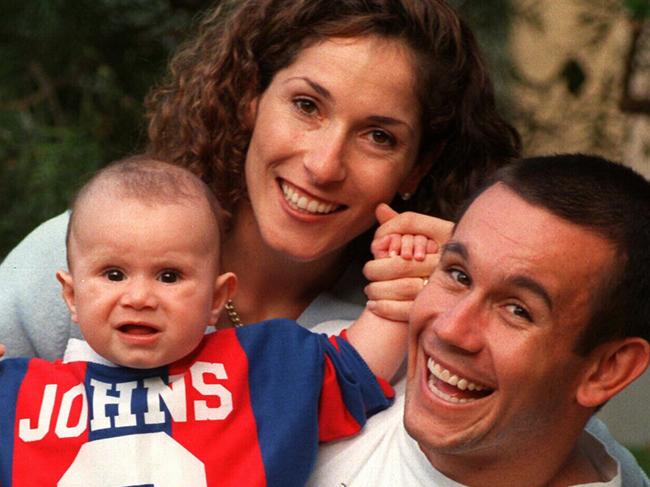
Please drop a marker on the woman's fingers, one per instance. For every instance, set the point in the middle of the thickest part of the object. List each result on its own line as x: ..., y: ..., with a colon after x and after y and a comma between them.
x: 396, y: 268
x: 383, y: 212
x: 391, y: 310
x: 403, y: 289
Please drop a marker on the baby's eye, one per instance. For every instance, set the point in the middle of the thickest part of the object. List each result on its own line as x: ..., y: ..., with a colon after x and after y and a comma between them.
x: 169, y: 277
x: 114, y: 275
x: 305, y: 105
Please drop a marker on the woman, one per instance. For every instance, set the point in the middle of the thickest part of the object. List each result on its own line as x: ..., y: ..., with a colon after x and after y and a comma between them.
x: 334, y: 106
x: 303, y: 116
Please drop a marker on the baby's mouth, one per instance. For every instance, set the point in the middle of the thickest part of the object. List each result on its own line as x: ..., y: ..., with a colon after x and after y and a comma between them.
x: 452, y: 387
x: 303, y: 202
x: 137, y: 329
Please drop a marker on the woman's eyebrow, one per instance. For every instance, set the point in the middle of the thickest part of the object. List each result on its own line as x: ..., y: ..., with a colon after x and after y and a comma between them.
x: 318, y: 88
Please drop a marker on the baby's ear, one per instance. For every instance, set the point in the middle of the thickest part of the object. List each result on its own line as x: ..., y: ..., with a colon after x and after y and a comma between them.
x: 614, y: 366
x: 67, y: 290
x: 224, y: 289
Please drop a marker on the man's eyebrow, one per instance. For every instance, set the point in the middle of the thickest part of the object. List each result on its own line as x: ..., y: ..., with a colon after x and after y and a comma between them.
x: 533, y: 286
x: 456, y: 248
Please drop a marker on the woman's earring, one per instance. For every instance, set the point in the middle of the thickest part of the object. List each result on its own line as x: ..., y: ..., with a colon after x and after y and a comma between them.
x: 406, y: 196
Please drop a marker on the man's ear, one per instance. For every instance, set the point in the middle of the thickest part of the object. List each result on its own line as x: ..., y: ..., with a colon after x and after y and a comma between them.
x: 67, y: 290
x: 224, y: 289
x: 613, y: 366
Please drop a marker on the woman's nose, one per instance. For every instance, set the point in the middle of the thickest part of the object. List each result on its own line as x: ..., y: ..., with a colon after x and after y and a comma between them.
x: 325, y: 158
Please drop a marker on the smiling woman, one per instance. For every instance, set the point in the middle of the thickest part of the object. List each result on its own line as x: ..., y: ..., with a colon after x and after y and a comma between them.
x: 343, y: 139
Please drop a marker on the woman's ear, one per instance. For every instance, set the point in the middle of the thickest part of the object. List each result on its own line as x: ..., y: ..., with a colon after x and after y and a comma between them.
x: 613, y: 366
x: 251, y: 113
x: 420, y: 169
x: 224, y: 289
x: 67, y: 290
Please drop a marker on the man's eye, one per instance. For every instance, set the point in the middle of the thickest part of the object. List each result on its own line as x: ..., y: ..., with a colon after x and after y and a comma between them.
x: 168, y: 277
x: 305, y: 105
x: 519, y: 311
x: 114, y: 275
x: 460, y: 277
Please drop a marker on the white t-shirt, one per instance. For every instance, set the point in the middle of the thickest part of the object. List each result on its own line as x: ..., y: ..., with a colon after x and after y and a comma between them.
x: 384, y: 455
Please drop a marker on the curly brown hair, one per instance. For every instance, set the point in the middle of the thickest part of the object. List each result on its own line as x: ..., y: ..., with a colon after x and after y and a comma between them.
x: 197, y: 117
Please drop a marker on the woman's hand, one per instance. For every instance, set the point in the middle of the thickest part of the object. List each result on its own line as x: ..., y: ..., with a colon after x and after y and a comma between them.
x: 395, y: 282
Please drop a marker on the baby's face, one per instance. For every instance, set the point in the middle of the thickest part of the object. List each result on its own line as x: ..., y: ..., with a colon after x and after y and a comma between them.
x: 144, y: 278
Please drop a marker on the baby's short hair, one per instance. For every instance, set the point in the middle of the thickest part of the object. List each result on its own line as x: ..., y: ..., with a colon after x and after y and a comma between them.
x: 147, y: 180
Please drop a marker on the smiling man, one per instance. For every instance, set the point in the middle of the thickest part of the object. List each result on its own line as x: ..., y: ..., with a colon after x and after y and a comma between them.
x: 537, y: 314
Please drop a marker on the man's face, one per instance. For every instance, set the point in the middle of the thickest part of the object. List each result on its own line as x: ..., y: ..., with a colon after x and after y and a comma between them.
x: 491, y: 362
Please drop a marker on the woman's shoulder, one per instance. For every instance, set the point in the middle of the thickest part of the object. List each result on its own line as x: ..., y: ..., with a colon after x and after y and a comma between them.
x: 45, y: 241
x: 34, y: 319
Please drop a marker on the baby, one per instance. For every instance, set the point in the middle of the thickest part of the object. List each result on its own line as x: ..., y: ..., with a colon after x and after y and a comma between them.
x: 149, y: 398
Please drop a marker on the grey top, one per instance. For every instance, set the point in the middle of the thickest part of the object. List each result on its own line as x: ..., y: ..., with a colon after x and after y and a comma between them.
x: 34, y: 320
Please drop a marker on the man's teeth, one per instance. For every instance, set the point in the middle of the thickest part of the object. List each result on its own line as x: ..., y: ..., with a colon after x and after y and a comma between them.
x: 302, y: 202
x: 438, y: 372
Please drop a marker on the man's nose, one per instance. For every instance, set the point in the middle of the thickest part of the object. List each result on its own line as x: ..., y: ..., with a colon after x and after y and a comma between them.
x: 461, y: 326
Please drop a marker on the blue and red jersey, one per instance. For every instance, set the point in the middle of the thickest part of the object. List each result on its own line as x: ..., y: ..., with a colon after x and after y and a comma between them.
x: 246, y: 408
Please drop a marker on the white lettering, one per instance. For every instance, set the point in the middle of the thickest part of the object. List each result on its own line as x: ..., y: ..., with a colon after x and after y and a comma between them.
x: 173, y: 395
x: 101, y: 399
x: 201, y: 410
x: 25, y: 431
x: 138, y: 459
x: 62, y: 429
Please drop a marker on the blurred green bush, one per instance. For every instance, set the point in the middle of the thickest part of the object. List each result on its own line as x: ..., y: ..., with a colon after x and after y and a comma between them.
x: 72, y: 78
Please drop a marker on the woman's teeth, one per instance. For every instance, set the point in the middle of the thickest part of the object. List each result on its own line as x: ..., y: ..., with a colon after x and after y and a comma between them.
x: 302, y: 202
x: 462, y: 390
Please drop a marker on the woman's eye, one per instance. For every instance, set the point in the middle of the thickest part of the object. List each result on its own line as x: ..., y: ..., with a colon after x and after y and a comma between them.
x: 168, y: 277
x: 305, y: 105
x: 381, y: 137
x: 114, y: 275
x: 460, y: 277
x: 519, y: 311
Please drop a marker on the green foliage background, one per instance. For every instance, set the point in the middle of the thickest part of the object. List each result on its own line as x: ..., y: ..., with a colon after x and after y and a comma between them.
x: 72, y: 78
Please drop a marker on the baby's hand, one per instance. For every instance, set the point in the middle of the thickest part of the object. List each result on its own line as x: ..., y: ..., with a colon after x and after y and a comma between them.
x: 406, y: 246
x: 406, y: 251
x: 398, y: 273
x: 2, y: 350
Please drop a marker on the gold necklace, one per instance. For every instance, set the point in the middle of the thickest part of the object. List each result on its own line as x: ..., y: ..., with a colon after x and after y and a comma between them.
x: 233, y: 316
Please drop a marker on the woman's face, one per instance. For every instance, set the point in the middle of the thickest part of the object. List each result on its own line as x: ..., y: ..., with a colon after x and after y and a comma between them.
x: 335, y: 133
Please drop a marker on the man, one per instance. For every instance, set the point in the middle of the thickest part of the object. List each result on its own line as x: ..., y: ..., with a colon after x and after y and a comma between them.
x: 537, y: 314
